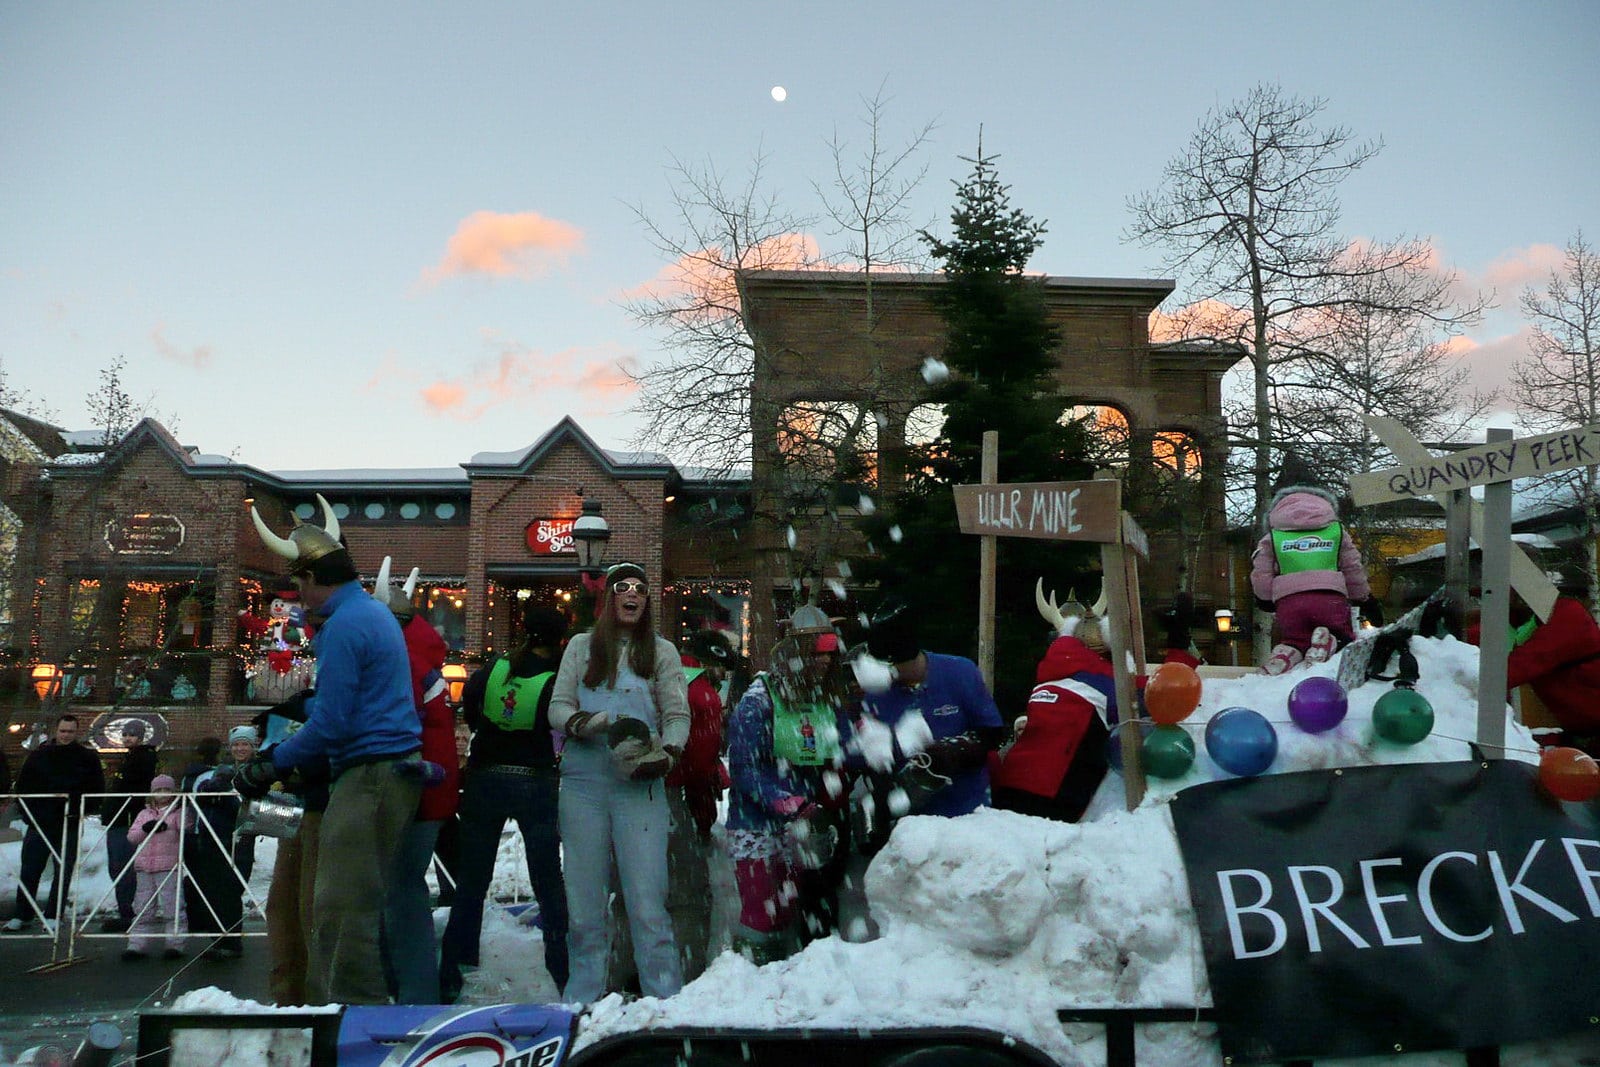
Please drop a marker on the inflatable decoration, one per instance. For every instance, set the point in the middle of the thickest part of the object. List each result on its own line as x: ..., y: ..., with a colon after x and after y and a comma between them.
x: 1241, y: 741
x: 1569, y: 774
x: 1403, y: 716
x: 1168, y: 752
x: 1318, y: 704
x: 1114, y: 743
x: 1172, y: 693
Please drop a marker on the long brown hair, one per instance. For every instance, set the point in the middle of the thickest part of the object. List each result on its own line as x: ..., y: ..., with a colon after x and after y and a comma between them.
x: 607, y: 635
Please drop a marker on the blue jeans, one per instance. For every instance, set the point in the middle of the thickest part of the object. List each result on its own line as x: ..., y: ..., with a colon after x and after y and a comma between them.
x: 413, y: 962
x: 490, y: 798
x: 119, y: 853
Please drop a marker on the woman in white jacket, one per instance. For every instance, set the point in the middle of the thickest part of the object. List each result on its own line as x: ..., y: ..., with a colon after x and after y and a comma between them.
x: 622, y: 701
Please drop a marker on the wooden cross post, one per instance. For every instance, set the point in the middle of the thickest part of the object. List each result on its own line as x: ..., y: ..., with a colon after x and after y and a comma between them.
x: 1492, y: 465
x: 1077, y: 511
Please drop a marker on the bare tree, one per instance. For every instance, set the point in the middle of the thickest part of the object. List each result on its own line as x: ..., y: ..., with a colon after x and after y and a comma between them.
x: 17, y: 398
x: 1249, y: 214
x: 1557, y: 383
x: 698, y: 398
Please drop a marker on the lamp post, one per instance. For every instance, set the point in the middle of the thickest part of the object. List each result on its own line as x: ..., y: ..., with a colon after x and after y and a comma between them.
x: 1224, y: 623
x: 590, y: 532
x: 46, y: 678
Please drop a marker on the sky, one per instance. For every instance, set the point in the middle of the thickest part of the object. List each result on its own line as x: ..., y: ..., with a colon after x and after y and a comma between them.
x: 395, y: 234
x: 991, y: 920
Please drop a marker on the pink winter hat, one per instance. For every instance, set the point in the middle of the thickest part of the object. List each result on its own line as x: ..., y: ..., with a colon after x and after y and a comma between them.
x: 163, y: 783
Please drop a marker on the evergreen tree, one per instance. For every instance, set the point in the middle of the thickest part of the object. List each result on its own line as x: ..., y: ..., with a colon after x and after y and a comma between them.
x: 1001, y: 350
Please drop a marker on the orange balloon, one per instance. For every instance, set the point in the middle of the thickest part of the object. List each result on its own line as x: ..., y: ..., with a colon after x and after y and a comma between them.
x: 1569, y: 774
x: 1172, y: 693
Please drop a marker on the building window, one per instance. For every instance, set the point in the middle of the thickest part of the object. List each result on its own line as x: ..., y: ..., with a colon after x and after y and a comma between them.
x: 305, y: 511
x: 444, y: 510
x: 341, y: 511
x: 373, y: 510
x: 410, y: 510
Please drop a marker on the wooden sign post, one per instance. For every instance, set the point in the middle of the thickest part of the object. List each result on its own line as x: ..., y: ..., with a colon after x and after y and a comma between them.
x: 1492, y: 465
x: 1077, y: 511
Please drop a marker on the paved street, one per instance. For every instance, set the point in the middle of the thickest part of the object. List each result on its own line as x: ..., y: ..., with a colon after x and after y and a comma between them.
x: 52, y: 1003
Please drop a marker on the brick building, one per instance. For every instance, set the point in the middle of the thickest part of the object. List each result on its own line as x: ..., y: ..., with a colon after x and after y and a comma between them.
x: 132, y: 565
x: 137, y: 562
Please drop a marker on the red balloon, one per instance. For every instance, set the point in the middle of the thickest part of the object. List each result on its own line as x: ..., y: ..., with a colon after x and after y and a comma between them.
x: 1569, y: 774
x: 1172, y: 693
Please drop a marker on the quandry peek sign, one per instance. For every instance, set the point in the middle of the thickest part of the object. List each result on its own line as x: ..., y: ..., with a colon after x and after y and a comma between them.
x: 1404, y: 907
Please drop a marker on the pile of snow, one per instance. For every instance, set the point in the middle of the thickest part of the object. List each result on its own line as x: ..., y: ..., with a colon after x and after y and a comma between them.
x: 998, y: 920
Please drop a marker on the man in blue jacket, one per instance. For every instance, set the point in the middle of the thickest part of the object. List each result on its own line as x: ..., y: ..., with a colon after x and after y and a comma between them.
x: 363, y: 720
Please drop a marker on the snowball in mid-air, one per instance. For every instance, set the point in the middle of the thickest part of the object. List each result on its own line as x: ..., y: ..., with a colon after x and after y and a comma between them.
x: 934, y: 371
x: 779, y: 93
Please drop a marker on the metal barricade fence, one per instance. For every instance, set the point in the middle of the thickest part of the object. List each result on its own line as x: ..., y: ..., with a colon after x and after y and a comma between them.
x: 45, y: 828
x: 74, y: 914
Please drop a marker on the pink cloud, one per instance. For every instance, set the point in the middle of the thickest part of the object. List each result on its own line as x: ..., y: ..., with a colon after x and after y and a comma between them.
x: 1522, y: 267
x: 1488, y: 363
x: 198, y: 357
x: 521, y: 245
x: 516, y: 372
x: 709, y: 270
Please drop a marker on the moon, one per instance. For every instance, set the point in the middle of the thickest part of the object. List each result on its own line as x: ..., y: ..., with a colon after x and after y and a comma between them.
x: 779, y: 93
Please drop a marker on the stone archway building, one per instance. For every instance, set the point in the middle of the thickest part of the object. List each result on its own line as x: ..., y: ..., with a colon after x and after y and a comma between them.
x: 813, y: 343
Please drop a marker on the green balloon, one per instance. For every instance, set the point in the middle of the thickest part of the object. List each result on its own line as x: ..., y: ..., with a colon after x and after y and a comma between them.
x: 1403, y: 716
x: 1168, y: 752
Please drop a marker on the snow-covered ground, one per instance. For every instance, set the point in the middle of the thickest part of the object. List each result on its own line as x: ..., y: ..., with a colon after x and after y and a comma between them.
x: 997, y: 919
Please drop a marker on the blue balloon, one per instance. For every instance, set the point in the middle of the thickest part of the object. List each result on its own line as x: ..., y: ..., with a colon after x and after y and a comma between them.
x: 1114, y: 742
x: 1241, y: 741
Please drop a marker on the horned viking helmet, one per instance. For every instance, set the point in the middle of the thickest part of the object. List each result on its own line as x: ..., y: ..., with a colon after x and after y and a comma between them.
x: 1072, y: 619
x: 396, y: 600
x: 306, y: 543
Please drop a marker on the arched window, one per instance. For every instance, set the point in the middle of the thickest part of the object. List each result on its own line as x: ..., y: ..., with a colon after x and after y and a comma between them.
x: 829, y: 440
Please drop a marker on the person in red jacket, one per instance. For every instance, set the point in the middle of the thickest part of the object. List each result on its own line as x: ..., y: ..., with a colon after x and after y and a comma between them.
x: 1059, y: 758
x: 411, y: 951
x: 1560, y: 659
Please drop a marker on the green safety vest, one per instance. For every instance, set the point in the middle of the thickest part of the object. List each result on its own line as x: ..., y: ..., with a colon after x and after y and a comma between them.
x: 805, y: 735
x: 1308, y: 550
x: 513, y: 703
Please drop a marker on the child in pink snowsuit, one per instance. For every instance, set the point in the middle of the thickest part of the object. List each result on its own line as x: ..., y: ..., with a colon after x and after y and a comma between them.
x: 1309, y: 571
x: 157, y: 835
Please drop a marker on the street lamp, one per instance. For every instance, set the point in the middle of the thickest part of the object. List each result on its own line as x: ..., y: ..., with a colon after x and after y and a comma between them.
x: 590, y: 532
x: 1227, y: 634
x: 46, y: 678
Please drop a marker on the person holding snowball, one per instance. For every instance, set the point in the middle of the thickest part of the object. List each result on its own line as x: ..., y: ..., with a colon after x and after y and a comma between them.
x: 786, y: 751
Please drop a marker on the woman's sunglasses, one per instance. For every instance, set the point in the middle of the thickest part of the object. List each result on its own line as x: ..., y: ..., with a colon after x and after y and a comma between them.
x: 630, y: 585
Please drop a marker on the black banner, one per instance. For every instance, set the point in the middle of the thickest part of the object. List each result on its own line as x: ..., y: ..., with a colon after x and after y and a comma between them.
x: 1396, y: 908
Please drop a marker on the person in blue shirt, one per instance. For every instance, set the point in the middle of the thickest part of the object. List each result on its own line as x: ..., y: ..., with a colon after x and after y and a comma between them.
x: 949, y: 774
x: 363, y: 720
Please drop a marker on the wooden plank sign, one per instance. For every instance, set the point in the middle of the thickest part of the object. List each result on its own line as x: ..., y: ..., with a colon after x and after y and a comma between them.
x: 1050, y: 511
x: 1523, y: 457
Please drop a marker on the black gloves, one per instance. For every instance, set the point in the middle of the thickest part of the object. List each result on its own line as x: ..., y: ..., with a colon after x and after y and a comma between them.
x: 157, y: 827
x: 1265, y: 605
x: 254, y: 779
x: 1372, y: 610
x: 950, y: 756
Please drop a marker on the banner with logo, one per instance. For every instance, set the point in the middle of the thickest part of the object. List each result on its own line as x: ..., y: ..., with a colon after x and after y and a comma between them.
x: 1400, y: 908
x: 432, y: 1035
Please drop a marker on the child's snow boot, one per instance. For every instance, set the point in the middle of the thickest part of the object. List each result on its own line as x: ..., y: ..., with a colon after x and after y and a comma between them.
x: 1322, y: 645
x: 1284, y: 658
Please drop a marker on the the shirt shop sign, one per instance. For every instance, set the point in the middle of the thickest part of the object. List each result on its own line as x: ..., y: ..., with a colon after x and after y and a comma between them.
x: 1397, y: 908
x: 145, y: 535
x: 549, y: 537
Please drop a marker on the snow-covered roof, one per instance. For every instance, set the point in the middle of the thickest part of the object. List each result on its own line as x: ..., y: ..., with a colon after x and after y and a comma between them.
x: 374, y: 474
x: 1532, y: 540
x: 84, y: 438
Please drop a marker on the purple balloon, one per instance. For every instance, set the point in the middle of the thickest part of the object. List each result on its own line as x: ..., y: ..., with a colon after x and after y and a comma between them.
x: 1318, y: 704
